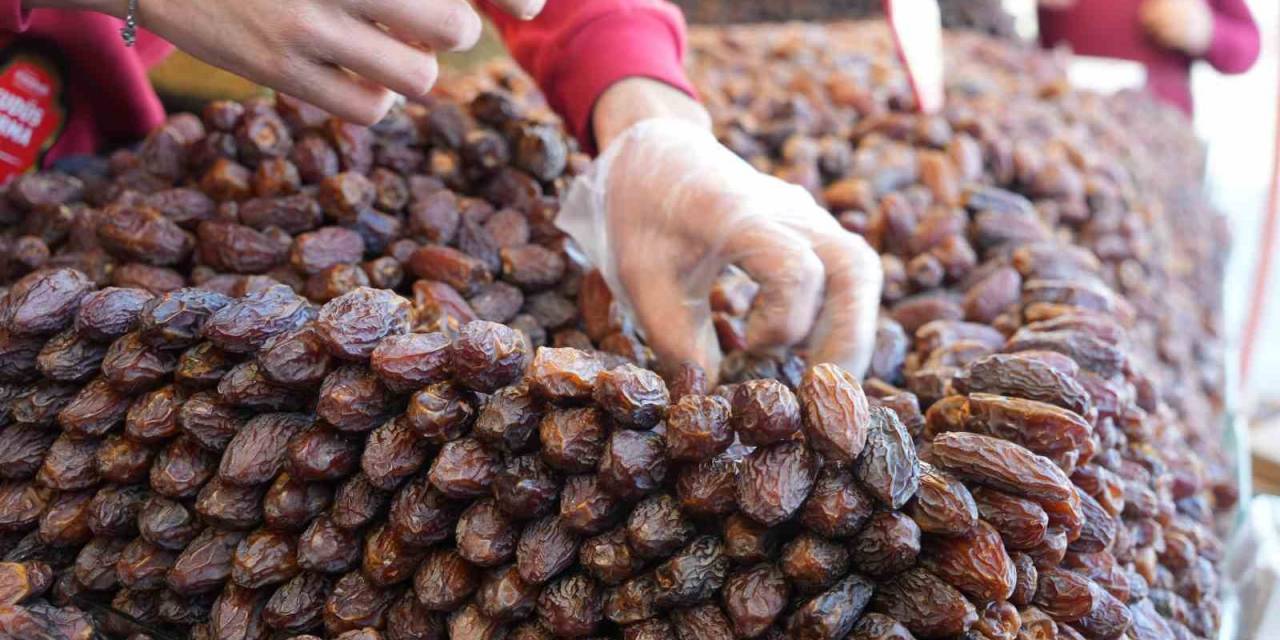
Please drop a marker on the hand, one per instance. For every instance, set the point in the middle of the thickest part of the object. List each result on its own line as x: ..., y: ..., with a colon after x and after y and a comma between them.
x: 344, y: 56
x: 1182, y: 25
x: 666, y: 208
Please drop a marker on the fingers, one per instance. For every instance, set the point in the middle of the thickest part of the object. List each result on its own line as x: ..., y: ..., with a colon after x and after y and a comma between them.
x: 337, y: 91
x: 443, y: 25
x: 790, y: 276
x: 676, y: 323
x: 376, y: 56
x: 523, y: 9
x: 845, y: 332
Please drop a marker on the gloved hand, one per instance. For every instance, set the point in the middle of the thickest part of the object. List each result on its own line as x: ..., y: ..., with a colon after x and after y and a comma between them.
x: 665, y: 208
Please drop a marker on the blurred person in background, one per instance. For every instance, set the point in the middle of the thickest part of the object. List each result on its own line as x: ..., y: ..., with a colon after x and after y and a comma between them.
x: 1166, y: 36
x: 663, y: 211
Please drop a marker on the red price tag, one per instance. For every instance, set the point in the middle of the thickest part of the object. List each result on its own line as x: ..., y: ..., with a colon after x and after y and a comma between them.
x: 31, y: 113
x: 917, y: 35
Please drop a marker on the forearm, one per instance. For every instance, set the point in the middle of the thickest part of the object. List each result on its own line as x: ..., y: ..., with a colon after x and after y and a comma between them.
x: 635, y: 99
x: 111, y: 7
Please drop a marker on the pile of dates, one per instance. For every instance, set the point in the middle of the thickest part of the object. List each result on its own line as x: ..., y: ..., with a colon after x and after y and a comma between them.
x: 272, y: 375
x: 985, y: 16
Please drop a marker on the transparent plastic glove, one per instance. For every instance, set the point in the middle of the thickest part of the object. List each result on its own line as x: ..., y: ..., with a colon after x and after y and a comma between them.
x: 666, y: 208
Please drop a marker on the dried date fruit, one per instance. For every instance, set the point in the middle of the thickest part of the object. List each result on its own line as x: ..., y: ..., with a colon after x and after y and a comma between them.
x: 325, y: 547
x: 445, y: 580
x: 411, y: 361
x: 831, y: 614
x: 176, y: 319
x: 167, y: 524
x: 357, y: 502
x: 38, y: 405
x: 698, y: 428
x: 693, y: 575
x: 835, y: 413
x: 230, y: 506
x: 585, y: 507
x: 709, y: 488
x: 264, y: 558
x: 1021, y: 523
x: 208, y: 421
x: 504, y: 595
x: 69, y: 465
x: 22, y: 450
x: 388, y: 560
x: 509, y: 420
x: 487, y: 356
x: 153, y: 418
x: 702, y: 622
x: 1064, y: 595
x: 352, y: 325
x: 65, y: 522
x: 656, y: 527
x: 181, y: 468
x: 976, y: 563
x: 355, y: 603
x: 114, y: 510
x: 257, y: 451
x: 484, y: 535
x: 632, y: 396
x: 97, y: 409
x: 571, y: 606
x: 632, y: 601
x: 1047, y: 430
x: 525, y: 488
x: 464, y: 469
x: 812, y: 564
x: 943, y: 505
x: 470, y: 622
x: 1001, y: 464
x: 246, y: 324
x: 202, y: 366
x: 888, y: 467
x: 633, y: 464
x: 608, y: 558
x: 572, y: 439
x: 21, y: 504
x: 452, y: 267
x: 236, y: 248
x: 754, y: 598
x: 925, y: 604
x: 297, y: 604
x: 322, y: 453
x: 297, y: 358
x: 565, y: 375
x: 773, y: 482
x: 205, y: 564
x: 352, y: 399
x: 546, y: 548
x: 291, y: 503
x: 70, y: 357
x: 888, y: 544
x: 764, y: 412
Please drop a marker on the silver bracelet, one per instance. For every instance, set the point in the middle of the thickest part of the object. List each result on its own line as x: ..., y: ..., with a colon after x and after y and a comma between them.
x: 130, y: 31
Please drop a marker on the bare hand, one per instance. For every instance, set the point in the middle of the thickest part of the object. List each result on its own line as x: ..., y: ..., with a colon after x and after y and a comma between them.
x: 344, y: 56
x: 1181, y: 25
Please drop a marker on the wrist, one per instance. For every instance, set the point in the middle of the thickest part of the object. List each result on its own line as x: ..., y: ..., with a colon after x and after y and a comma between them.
x: 635, y: 99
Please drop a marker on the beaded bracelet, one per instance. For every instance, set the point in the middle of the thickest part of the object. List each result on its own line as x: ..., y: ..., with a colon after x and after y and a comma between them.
x: 130, y: 31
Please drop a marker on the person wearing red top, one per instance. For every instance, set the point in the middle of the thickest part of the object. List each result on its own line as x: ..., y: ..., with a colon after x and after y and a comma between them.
x: 662, y: 211
x: 1164, y: 35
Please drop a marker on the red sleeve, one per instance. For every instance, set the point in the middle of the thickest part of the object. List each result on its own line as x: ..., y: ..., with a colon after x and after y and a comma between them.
x: 575, y: 49
x: 1236, y: 42
x: 13, y: 18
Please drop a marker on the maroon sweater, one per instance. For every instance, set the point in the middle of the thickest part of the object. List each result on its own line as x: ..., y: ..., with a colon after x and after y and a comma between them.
x: 1112, y: 29
x: 575, y: 50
